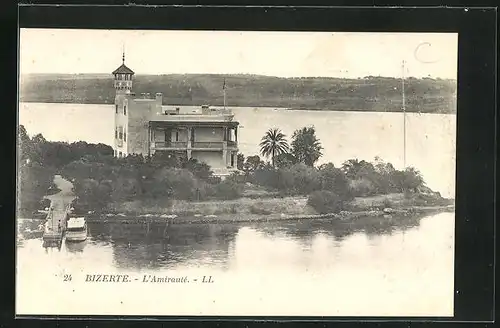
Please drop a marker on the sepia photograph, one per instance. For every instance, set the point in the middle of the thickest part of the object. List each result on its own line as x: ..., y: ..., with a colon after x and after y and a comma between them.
x: 236, y: 173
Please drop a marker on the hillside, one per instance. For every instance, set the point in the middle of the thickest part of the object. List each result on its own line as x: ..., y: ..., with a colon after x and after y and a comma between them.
x: 365, y: 94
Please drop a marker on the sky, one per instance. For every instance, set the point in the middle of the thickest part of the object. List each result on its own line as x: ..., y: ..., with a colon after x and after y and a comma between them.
x: 283, y: 54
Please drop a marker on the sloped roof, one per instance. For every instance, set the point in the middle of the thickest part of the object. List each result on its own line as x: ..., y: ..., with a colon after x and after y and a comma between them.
x: 123, y: 70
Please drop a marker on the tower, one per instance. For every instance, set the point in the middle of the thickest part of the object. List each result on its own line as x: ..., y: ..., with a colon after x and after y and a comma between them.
x: 123, y: 91
x: 123, y: 78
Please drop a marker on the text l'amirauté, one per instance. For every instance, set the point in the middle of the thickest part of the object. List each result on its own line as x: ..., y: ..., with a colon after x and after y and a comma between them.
x: 147, y: 278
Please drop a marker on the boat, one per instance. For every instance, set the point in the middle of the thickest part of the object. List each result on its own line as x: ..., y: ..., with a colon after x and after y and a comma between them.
x: 76, y: 229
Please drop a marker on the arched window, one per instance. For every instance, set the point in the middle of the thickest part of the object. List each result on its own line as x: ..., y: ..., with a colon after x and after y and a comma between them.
x: 124, y: 109
x: 116, y: 109
x: 124, y: 135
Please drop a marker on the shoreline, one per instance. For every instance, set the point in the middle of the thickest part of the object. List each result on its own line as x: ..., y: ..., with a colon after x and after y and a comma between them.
x: 260, y: 106
x: 343, y: 216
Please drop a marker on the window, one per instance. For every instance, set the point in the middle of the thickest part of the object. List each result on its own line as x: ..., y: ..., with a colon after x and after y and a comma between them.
x: 124, y: 136
x: 176, y: 135
x: 120, y: 134
x: 232, y: 159
x: 120, y: 154
x: 124, y: 109
x: 116, y: 109
x: 116, y: 133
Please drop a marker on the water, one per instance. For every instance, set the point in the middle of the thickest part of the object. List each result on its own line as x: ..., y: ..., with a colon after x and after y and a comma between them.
x: 431, y: 138
x: 295, y: 268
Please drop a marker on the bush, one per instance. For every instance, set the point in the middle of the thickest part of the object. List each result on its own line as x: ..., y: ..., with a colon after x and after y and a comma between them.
x: 266, y: 176
x: 200, y: 170
x: 387, y: 203
x: 214, y: 180
x: 334, y: 180
x: 205, y: 191
x: 237, y: 177
x: 93, y: 194
x: 182, y: 182
x: 33, y: 184
x: 324, y: 201
x: 228, y: 190
x: 408, y: 180
x: 300, y: 178
x: 259, y: 211
x: 362, y: 187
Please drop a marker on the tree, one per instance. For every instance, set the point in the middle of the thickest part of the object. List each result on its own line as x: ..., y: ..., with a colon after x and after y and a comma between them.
x: 285, y: 160
x: 408, y: 180
x: 24, y: 145
x: 240, y: 161
x: 305, y: 146
x: 273, y: 143
x: 201, y: 170
x: 353, y: 168
x: 252, y: 163
x: 334, y: 180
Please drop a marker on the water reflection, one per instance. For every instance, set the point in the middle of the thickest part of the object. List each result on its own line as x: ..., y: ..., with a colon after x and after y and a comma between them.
x: 139, y: 246
x: 156, y: 245
x: 76, y: 247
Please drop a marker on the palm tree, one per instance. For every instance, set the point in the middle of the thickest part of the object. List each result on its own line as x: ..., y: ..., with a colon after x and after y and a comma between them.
x: 273, y: 143
x: 353, y: 167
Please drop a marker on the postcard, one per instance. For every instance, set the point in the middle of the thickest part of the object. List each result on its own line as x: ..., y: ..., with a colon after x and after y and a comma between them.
x: 236, y: 173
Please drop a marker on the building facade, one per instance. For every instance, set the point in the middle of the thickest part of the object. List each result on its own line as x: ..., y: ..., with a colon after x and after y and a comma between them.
x: 144, y: 126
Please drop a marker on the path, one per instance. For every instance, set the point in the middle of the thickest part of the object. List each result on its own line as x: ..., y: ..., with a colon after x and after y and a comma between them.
x: 59, y: 203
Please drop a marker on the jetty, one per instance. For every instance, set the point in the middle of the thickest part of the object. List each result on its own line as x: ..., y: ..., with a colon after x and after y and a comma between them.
x: 59, y: 211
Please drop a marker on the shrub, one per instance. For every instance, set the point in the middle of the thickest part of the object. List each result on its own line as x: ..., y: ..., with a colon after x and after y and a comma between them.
x: 200, y: 170
x: 408, y: 180
x: 335, y: 180
x: 182, y: 182
x: 301, y: 178
x: 266, y: 176
x: 205, y: 191
x: 324, y: 201
x: 33, y: 184
x: 228, y: 190
x: 237, y: 177
x: 93, y: 194
x: 362, y: 187
x: 387, y: 203
x: 214, y: 180
x: 259, y: 210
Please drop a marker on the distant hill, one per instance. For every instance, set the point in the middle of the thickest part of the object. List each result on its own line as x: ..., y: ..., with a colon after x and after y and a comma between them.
x: 319, y: 93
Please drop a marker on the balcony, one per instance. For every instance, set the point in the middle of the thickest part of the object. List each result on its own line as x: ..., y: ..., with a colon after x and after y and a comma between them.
x: 169, y: 145
x: 197, y: 145
x: 208, y: 145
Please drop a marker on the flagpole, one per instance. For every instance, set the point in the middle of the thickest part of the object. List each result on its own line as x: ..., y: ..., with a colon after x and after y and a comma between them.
x: 224, y: 90
x: 404, y: 115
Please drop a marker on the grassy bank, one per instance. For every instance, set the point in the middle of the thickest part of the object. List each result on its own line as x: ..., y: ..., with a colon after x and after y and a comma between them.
x: 386, y: 207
